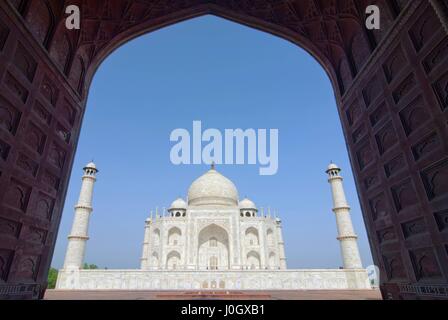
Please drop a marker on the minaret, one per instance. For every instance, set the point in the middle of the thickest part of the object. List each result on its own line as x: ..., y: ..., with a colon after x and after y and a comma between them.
x: 346, y: 234
x: 78, y: 237
x: 144, y: 260
x: 281, y: 244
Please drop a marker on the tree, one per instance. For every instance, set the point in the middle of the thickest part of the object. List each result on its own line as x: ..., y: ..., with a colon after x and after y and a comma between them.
x: 52, y: 277
x: 90, y: 266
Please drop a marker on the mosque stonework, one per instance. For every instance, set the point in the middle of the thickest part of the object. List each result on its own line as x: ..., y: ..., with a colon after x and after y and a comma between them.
x: 212, y: 240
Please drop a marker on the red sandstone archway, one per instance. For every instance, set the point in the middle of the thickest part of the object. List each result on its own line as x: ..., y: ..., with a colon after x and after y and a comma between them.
x: 391, y: 87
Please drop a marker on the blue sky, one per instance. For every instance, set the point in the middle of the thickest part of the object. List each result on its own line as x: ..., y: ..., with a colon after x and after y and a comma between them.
x: 228, y: 76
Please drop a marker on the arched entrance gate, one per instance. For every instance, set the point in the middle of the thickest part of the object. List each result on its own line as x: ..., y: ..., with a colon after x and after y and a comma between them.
x: 391, y: 87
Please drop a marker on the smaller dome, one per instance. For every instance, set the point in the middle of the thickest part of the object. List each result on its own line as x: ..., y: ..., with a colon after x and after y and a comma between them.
x: 333, y: 166
x: 247, y: 204
x: 179, y: 203
x: 91, y: 165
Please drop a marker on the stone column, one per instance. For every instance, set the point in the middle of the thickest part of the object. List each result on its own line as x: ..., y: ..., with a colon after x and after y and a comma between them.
x: 281, y: 244
x: 346, y: 234
x: 74, y: 257
x: 441, y: 11
x: 144, y: 261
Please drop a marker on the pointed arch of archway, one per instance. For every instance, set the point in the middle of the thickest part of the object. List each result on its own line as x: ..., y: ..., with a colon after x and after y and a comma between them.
x: 174, y: 235
x: 210, y: 8
x: 213, y: 248
x: 379, y: 78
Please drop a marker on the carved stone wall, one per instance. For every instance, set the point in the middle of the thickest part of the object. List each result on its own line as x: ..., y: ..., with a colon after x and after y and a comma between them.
x: 391, y: 87
x: 309, y: 279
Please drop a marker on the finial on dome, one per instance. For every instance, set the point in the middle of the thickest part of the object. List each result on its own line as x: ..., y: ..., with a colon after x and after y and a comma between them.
x: 213, y: 165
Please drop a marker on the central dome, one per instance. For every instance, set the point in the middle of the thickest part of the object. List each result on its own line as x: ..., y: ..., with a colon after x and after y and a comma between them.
x: 212, y: 188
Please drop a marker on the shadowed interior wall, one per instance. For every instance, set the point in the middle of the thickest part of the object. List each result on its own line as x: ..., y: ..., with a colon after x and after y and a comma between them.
x: 391, y: 88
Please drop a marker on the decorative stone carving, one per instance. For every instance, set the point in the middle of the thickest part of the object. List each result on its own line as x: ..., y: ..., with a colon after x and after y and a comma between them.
x: 435, y: 179
x: 425, y: 264
x: 365, y: 156
x: 57, y: 156
x: 371, y: 181
x: 27, y: 165
x: 44, y: 206
x: 4, y: 150
x: 353, y: 113
x: 394, y: 64
x: 387, y: 235
x: 35, y: 235
x: 395, y: 166
x: 378, y: 207
x: 49, y: 91
x: 386, y: 138
x: 394, y: 266
x: 17, y: 195
x: 27, y: 268
x: 359, y: 133
x: 442, y: 220
x: 404, y: 88
x: 42, y: 113
x: 63, y: 133
x: 25, y: 62
x: 437, y: 55
x: 414, y: 227
x: 77, y: 74
x: 41, y: 20
x: 372, y: 91
x: 16, y: 87
x: 426, y: 146
x: 9, y: 228
x: 35, y: 138
x: 424, y: 28
x: 50, y: 179
x: 9, y: 116
x: 5, y: 262
x: 61, y: 51
x: 68, y: 113
x: 379, y: 114
x: 441, y: 89
x: 414, y: 115
x: 404, y: 195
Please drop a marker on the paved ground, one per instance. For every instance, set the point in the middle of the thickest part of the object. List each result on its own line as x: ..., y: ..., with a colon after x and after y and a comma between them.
x: 231, y: 295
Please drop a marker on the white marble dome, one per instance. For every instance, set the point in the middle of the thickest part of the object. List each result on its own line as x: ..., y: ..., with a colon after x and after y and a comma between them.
x: 179, y: 203
x: 332, y: 166
x: 212, y: 188
x: 90, y: 165
x: 247, y: 204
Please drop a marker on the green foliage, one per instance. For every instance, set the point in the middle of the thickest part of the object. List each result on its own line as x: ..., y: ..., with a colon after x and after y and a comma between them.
x: 52, y: 276
x: 90, y: 266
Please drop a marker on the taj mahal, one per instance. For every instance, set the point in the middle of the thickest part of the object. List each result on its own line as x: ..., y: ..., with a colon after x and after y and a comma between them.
x: 212, y: 240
